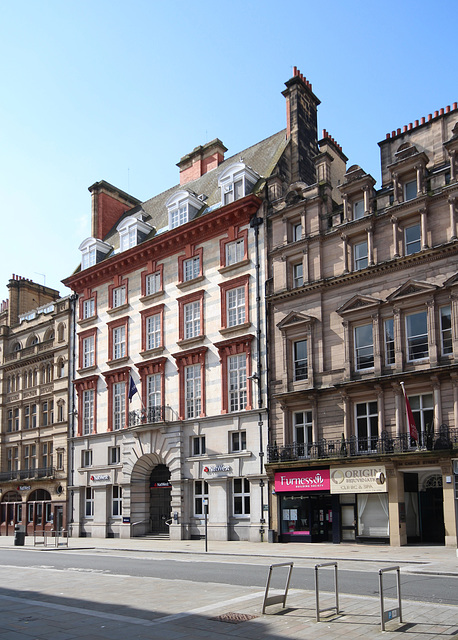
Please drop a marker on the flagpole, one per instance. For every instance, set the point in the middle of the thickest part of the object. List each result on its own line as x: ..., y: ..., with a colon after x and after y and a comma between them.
x: 413, y: 432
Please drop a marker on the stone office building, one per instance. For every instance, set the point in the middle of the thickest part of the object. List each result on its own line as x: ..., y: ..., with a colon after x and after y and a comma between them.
x: 35, y: 325
x: 362, y: 298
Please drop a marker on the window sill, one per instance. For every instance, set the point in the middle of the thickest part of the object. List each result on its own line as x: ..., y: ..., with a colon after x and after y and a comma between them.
x: 85, y: 370
x: 190, y: 283
x: 152, y: 296
x: 117, y: 362
x: 190, y: 341
x: 85, y: 321
x: 115, y: 310
x: 229, y: 268
x: 150, y: 353
x: 225, y: 331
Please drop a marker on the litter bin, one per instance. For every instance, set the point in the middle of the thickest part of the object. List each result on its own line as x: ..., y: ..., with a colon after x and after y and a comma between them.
x: 271, y: 535
x: 19, y: 535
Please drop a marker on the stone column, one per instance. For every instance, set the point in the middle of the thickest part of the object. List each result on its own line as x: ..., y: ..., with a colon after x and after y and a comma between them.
x: 454, y: 377
x: 419, y: 170
x: 395, y: 188
x: 454, y: 310
x: 345, y: 208
x: 347, y: 364
x: 345, y: 251
x: 398, y: 407
x: 437, y: 402
x: 452, y: 205
x: 376, y: 343
x: 346, y: 415
x: 398, y: 530
x: 367, y: 201
x: 285, y: 230
x: 431, y: 324
x: 380, y: 407
x: 424, y: 228
x: 448, y: 488
x: 370, y: 245
x: 394, y: 221
x: 398, y: 355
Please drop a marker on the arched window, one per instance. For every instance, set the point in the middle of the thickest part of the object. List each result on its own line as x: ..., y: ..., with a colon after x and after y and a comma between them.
x: 61, y: 332
x: 16, y: 346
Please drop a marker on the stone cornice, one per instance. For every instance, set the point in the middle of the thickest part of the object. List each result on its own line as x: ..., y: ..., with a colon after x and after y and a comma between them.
x: 166, y: 244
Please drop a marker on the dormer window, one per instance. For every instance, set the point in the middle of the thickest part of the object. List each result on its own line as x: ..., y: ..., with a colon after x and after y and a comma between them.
x: 182, y: 207
x: 236, y: 182
x: 93, y: 251
x: 132, y: 231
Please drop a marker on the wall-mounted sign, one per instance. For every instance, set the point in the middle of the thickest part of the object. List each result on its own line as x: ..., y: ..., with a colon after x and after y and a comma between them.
x: 160, y: 485
x: 126, y: 519
x: 98, y: 477
x: 218, y: 468
x: 369, y: 479
x: 310, y: 480
x: 24, y: 487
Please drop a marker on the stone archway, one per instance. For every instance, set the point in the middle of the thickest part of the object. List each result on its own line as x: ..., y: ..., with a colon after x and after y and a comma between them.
x: 140, y: 497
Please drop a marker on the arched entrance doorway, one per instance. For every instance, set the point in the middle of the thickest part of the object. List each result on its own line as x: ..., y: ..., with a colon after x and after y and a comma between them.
x: 160, y: 499
x: 431, y: 500
x: 11, y: 512
x: 39, y: 511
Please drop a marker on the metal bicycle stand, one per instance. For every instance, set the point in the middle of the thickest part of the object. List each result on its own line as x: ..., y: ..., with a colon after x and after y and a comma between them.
x: 317, y: 592
x: 390, y: 614
x: 278, y: 598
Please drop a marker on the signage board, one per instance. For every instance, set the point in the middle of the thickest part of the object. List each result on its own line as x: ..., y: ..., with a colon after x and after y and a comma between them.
x: 368, y: 479
x: 308, y: 480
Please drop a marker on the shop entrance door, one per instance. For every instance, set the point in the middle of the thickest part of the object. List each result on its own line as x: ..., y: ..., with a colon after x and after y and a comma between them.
x: 321, y: 518
x: 432, y: 516
x: 160, y: 499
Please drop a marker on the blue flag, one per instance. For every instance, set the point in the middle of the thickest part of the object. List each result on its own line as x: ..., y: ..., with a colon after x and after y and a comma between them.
x: 132, y: 388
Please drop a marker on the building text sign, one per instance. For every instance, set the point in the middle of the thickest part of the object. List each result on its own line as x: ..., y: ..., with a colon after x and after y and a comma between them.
x: 369, y: 479
x: 310, y: 480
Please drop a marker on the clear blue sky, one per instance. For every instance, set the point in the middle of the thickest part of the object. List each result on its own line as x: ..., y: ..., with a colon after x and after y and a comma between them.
x: 120, y: 91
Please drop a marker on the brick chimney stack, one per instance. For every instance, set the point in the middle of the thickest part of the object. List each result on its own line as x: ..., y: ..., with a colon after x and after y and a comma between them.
x: 25, y: 295
x: 301, y: 125
x: 108, y: 205
x: 201, y: 160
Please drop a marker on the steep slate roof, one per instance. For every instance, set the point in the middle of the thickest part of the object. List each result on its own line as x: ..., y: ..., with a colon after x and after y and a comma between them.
x: 261, y: 157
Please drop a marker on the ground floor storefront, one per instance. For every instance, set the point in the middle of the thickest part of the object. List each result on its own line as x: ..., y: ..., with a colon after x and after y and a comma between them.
x: 35, y: 508
x: 396, y: 502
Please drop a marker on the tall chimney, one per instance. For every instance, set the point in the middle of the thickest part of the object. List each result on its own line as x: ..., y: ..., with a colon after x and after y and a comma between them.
x: 201, y: 160
x: 301, y: 125
x: 108, y: 205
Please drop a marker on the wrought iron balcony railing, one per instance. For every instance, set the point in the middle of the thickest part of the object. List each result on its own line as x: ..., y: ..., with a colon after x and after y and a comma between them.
x: 151, y: 415
x: 385, y: 444
x: 27, y: 474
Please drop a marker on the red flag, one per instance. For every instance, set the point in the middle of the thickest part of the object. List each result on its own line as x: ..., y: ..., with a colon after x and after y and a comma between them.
x: 412, y: 426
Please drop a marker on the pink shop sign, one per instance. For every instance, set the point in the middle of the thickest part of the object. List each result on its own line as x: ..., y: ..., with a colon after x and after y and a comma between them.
x: 311, y: 480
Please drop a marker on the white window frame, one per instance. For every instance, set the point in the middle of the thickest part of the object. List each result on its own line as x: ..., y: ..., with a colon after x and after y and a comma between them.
x: 235, y: 252
x: 445, y: 314
x: 299, y: 362
x: 89, y: 502
x: 421, y: 404
x: 119, y: 296
x: 88, y: 411
x: 153, y: 331
x: 88, y: 351
x: 238, y: 441
x: 116, y: 502
x: 191, y: 268
x: 179, y: 214
x: 200, y: 495
x: 153, y: 391
x: 86, y: 458
x: 237, y: 382
x: 119, y: 342
x: 198, y: 446
x: 153, y: 283
x: 119, y: 405
x: 412, y: 245
x: 388, y: 339
x: 236, y: 182
x: 298, y: 275
x: 114, y: 455
x: 407, y: 189
x: 303, y: 432
x: 191, y: 320
x: 193, y: 390
x: 358, y: 209
x: 236, y: 306
x: 88, y: 308
x: 367, y: 425
x: 360, y: 255
x: 241, y: 497
x: 412, y: 338
x: 359, y: 349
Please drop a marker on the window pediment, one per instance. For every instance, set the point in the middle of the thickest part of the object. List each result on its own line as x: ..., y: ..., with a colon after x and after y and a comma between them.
x: 182, y: 207
x: 451, y: 282
x: 93, y: 251
x: 411, y: 287
x: 236, y: 182
x: 132, y: 231
x: 357, y: 302
x: 295, y: 319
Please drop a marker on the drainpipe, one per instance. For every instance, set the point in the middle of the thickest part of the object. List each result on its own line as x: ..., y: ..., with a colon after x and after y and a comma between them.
x: 255, y: 223
x: 71, y: 403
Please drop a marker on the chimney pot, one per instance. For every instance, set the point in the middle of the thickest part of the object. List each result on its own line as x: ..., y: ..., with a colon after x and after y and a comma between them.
x: 447, y: 109
x: 398, y: 131
x: 416, y: 123
x: 423, y: 120
x: 455, y: 105
x: 441, y: 112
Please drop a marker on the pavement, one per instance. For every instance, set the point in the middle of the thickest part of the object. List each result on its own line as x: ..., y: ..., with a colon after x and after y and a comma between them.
x: 41, y: 602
